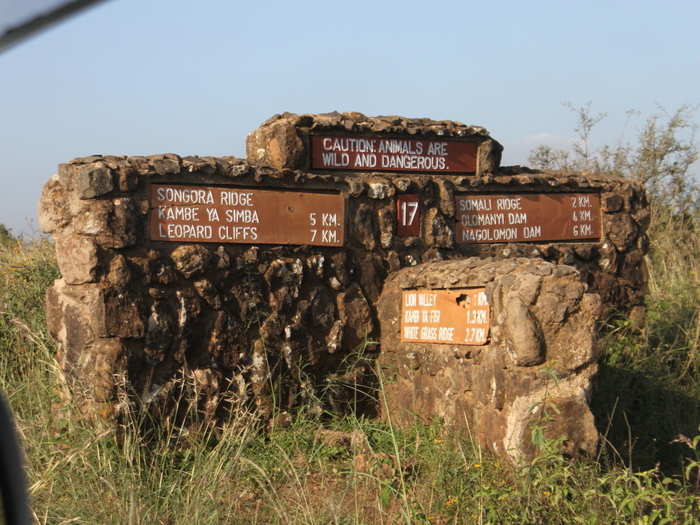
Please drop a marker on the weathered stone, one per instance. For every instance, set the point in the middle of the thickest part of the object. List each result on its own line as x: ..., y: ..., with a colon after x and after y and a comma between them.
x: 65, y: 174
x: 436, y: 231
x: 95, y: 219
x: 323, y: 309
x: 207, y: 386
x: 528, y: 287
x: 609, y: 258
x: 561, y: 408
x: 393, y: 261
x: 402, y: 184
x: 189, y: 309
x: 612, y: 202
x: 128, y: 179
x: 380, y: 189
x: 364, y: 230
x: 541, y: 350
x: 75, y: 309
x: 250, y: 256
x: 122, y: 228
x: 356, y: 316
x: 208, y: 292
x: 317, y: 265
x: 224, y: 344
x: 277, y: 145
x: 160, y: 327
x: 199, y: 165
x: 372, y: 275
x: 489, y: 157
x: 334, y: 340
x: 123, y: 316
x: 525, y: 339
x: 191, y: 259
x: 622, y: 231
x: 119, y: 274
x: 93, y: 181
x: 167, y: 164
x: 77, y: 258
x: 53, y: 214
x: 585, y: 253
x: 65, y: 318
x: 284, y: 278
x: 446, y: 197
x: 642, y: 217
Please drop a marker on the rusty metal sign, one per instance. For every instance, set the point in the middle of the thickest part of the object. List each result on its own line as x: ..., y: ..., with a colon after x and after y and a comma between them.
x: 334, y: 152
x: 453, y: 317
x: 408, y: 215
x: 528, y: 217
x: 244, y: 215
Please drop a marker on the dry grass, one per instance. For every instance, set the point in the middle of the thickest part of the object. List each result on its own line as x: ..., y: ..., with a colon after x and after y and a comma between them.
x: 82, y: 472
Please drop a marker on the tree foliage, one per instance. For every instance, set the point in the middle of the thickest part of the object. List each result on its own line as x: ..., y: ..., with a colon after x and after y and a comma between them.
x: 661, y: 158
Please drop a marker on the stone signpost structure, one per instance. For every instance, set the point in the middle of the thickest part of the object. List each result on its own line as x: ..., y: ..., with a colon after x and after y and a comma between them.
x: 522, y: 352
x: 265, y: 283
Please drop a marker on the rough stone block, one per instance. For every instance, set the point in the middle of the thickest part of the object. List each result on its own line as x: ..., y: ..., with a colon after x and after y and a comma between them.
x: 53, y: 215
x: 77, y: 258
x: 93, y: 181
x: 540, y: 356
x: 283, y: 140
x: 277, y: 145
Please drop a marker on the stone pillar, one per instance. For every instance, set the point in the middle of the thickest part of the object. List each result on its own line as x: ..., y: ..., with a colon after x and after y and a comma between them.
x: 284, y: 140
x: 534, y: 369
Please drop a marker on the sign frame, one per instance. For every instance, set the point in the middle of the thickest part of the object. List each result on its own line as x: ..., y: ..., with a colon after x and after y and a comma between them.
x: 329, y: 222
x: 463, y: 155
x: 408, y: 215
x: 500, y: 218
x: 423, y: 313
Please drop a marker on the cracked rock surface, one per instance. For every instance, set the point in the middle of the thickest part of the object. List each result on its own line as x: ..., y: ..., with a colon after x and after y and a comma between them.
x: 536, y: 367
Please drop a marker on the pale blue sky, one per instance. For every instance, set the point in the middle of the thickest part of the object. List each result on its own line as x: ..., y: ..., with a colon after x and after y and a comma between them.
x: 141, y: 77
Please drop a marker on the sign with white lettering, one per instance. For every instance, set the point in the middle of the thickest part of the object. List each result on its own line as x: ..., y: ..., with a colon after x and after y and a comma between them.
x: 451, y: 317
x: 528, y: 217
x: 392, y: 154
x: 408, y: 215
x: 244, y: 215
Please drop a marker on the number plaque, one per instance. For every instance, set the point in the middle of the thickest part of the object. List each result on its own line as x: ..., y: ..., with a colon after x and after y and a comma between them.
x: 408, y: 215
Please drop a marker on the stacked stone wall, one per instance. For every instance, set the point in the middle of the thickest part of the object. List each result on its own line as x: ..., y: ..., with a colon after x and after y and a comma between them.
x: 275, y: 326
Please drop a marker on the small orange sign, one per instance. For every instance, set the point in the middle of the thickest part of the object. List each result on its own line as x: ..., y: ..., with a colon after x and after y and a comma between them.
x: 451, y: 317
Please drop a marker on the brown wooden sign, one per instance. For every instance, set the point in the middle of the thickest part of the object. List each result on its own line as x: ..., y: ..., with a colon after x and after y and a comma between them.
x: 454, y: 317
x: 244, y: 215
x: 540, y: 217
x: 331, y: 152
x: 408, y: 215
